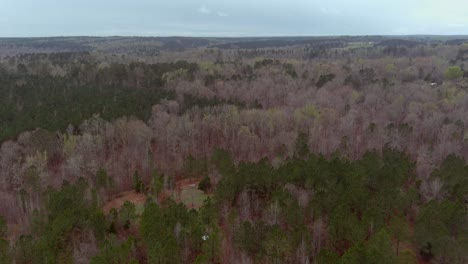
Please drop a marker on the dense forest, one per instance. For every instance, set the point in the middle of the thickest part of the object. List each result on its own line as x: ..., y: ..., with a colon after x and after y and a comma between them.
x: 247, y: 150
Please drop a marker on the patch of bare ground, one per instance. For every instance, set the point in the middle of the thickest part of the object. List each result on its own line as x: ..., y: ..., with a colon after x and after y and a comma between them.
x: 121, y: 198
x: 186, y: 191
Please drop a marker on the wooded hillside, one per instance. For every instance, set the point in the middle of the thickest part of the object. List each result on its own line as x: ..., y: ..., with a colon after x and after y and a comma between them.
x: 306, y: 150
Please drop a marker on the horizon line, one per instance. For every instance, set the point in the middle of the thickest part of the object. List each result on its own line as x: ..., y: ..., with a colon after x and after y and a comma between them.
x: 239, y: 36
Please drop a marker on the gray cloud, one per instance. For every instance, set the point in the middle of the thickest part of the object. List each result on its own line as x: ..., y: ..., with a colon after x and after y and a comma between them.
x: 204, y: 10
x: 222, y: 14
x: 232, y: 18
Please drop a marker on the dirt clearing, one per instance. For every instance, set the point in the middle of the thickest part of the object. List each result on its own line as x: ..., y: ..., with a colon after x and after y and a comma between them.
x: 117, y: 202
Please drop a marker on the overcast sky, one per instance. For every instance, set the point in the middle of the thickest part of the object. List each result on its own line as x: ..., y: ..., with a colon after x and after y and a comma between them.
x: 23, y: 18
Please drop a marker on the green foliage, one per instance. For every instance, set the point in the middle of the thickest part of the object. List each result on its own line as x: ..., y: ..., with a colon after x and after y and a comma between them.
x: 54, y: 103
x: 328, y: 257
x: 114, y: 251
x: 356, y: 198
x: 400, y: 230
x: 102, y: 180
x: 31, y: 101
x: 236, y: 180
x: 138, y: 183
x: 208, y: 213
x: 289, y: 69
x: 264, y: 241
x: 166, y: 229
x: 205, y: 184
x: 277, y: 245
x: 191, y: 101
x: 69, y: 213
x: 407, y: 257
x: 441, y: 231
x: 361, y: 208
x: 210, y: 249
x: 453, y: 173
x: 265, y: 62
x: 25, y: 250
x: 290, y: 211
x: 302, y: 145
x: 345, y: 226
x: 453, y: 73
x: 223, y: 161
x: 375, y: 251
x: 4, y: 244
x: 355, y: 255
x: 248, y: 236
x: 195, y: 167
x: 202, y: 259
x: 127, y: 214
x: 379, y: 249
x: 323, y: 79
x: 157, y: 183
x: 158, y: 236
